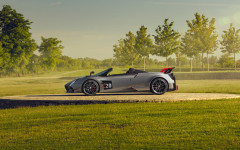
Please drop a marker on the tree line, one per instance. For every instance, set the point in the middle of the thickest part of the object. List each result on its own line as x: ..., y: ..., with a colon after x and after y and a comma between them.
x: 200, y: 40
x: 17, y: 46
x: 20, y: 54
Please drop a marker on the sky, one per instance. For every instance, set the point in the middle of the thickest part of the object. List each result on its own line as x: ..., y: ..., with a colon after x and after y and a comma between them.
x: 90, y: 28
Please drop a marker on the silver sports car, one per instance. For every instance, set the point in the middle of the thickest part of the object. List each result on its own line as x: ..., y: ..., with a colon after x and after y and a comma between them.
x: 132, y: 80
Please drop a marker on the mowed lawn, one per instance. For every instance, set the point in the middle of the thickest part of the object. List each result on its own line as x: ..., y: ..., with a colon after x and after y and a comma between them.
x: 51, y: 83
x: 209, y: 86
x: 55, y: 85
x: 178, y: 125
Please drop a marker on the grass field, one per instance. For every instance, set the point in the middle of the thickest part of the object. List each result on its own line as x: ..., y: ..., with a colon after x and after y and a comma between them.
x: 54, y: 84
x: 50, y: 83
x: 179, y: 125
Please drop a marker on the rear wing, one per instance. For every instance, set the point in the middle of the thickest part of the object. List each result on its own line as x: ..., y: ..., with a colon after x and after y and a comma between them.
x: 167, y: 70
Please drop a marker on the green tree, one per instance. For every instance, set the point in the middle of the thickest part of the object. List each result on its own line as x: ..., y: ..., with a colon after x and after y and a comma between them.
x: 166, y: 40
x: 171, y: 61
x: 231, y: 42
x: 118, y: 50
x: 212, y: 60
x: 179, y: 58
x: 50, y: 50
x: 17, y: 44
x: 125, y: 50
x: 210, y: 42
x: 238, y: 63
x: 1, y: 56
x: 107, y: 62
x: 204, y: 35
x: 184, y: 61
x: 68, y: 63
x: 188, y: 48
x: 226, y: 61
x: 129, y: 43
x: 143, y: 43
x: 34, y: 64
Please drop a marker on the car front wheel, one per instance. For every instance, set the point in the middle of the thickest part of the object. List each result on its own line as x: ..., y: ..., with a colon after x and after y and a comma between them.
x: 159, y: 86
x: 90, y: 87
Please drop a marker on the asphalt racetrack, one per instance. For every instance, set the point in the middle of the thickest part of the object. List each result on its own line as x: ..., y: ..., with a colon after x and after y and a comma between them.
x: 81, y: 99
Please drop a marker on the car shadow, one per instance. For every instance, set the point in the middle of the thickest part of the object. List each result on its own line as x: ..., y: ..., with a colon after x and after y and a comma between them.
x: 102, y: 94
x: 15, y: 103
x: 32, y: 102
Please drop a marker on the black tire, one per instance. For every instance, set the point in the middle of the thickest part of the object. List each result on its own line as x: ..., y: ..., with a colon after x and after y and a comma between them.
x: 159, y: 86
x: 90, y: 87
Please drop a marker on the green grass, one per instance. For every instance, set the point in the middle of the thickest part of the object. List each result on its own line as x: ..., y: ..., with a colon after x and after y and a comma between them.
x: 31, y: 85
x: 179, y: 125
x: 55, y: 85
x: 52, y: 83
x: 209, y: 86
x: 208, y: 76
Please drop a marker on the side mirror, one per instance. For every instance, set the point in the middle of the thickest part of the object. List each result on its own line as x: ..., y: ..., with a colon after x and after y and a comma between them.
x: 92, y: 72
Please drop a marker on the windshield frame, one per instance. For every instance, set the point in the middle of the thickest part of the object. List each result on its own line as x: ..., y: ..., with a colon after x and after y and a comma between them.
x: 103, y: 73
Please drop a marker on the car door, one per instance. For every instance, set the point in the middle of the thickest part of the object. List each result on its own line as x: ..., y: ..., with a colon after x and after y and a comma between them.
x: 120, y: 82
x: 139, y: 81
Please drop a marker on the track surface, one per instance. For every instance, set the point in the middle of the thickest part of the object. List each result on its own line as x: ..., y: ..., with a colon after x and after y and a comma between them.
x: 135, y: 97
x: 78, y: 99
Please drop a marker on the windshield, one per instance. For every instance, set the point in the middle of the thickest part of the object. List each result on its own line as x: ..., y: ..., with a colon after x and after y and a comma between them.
x: 103, y: 73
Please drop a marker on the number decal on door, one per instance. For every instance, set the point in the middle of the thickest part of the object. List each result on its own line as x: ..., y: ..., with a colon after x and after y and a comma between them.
x: 107, y: 84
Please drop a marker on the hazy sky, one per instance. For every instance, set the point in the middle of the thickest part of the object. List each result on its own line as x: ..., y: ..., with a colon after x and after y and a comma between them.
x: 90, y: 28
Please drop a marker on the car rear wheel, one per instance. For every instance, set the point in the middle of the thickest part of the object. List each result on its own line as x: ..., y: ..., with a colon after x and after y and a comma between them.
x: 159, y: 86
x: 90, y: 87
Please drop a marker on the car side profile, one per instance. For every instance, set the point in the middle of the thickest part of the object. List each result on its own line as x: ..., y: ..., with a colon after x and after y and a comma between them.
x: 133, y: 80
